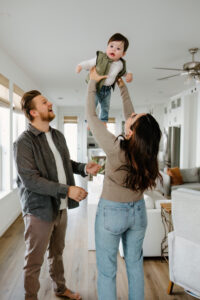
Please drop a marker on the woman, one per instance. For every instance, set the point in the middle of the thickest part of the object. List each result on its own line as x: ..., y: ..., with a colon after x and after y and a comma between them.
x: 131, y: 168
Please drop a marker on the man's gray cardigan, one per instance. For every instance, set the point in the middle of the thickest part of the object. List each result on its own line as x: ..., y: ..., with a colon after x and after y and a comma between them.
x: 37, y: 179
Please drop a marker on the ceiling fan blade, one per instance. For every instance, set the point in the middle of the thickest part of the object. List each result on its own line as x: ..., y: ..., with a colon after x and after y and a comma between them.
x: 169, y: 69
x: 169, y: 76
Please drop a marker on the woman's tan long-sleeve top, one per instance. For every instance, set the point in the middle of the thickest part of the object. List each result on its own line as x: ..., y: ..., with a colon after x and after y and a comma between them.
x: 113, y: 188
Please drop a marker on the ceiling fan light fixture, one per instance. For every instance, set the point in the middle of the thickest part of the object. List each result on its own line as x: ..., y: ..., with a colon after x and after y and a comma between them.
x: 189, y: 79
x: 197, y: 78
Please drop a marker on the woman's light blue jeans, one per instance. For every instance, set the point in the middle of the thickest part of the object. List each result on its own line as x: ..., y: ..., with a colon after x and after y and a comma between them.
x: 115, y: 220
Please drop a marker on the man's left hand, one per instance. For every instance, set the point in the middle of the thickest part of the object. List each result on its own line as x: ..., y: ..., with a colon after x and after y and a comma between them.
x: 129, y: 77
x: 92, y: 168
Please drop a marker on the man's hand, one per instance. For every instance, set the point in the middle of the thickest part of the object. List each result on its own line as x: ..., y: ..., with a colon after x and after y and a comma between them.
x: 95, y: 76
x: 76, y: 193
x: 129, y: 77
x: 92, y: 168
x: 78, y: 69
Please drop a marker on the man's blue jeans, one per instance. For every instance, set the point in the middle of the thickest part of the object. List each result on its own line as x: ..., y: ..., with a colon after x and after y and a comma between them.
x: 103, y: 98
x: 115, y: 220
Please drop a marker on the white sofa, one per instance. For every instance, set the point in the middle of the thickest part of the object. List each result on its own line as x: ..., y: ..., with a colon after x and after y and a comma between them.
x: 191, y: 180
x: 155, y: 229
x: 184, y: 241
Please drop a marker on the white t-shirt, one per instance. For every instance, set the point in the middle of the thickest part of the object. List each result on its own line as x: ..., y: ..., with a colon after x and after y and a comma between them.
x: 59, y: 166
x: 115, y: 68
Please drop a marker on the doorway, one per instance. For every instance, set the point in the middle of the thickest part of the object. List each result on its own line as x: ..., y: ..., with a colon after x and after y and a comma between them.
x: 71, y: 135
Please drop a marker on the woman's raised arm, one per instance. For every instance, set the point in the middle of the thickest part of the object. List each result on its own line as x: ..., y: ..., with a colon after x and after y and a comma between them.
x: 104, y: 138
x: 127, y: 103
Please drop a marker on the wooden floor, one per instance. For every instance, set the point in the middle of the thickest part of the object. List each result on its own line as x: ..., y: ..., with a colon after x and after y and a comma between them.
x: 80, y: 266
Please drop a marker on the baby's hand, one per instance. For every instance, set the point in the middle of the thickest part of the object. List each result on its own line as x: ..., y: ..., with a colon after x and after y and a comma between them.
x: 78, y: 69
x: 129, y: 77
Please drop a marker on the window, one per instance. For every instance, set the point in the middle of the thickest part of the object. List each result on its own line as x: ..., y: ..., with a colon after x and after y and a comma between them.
x: 4, y: 90
x: 173, y: 104
x: 70, y: 133
x: 111, y: 125
x: 19, y: 121
x: 178, y: 102
x: 17, y: 95
x: 19, y: 125
x: 4, y: 134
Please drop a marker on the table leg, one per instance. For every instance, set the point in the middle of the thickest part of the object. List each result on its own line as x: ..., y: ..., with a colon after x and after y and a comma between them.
x: 170, y: 288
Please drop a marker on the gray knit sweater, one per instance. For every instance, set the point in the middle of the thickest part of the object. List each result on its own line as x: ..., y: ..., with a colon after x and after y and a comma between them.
x: 113, y: 188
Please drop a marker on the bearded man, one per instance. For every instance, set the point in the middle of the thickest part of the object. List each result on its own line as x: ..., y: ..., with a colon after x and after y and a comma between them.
x: 46, y: 185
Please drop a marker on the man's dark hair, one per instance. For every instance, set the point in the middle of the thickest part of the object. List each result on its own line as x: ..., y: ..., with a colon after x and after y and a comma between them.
x: 121, y: 38
x: 27, y: 103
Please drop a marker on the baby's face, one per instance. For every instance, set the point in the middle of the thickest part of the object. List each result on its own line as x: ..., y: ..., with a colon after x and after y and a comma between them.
x: 115, y: 50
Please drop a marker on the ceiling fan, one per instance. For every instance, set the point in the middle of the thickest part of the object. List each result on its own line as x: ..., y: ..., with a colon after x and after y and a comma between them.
x: 191, y: 69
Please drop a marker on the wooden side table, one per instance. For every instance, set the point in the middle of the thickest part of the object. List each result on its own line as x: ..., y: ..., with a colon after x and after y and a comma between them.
x: 166, y: 215
x: 168, y: 226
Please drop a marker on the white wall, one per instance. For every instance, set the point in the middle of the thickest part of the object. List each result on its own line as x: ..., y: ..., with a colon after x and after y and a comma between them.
x: 13, y: 72
x: 184, y: 123
x: 198, y: 127
x: 10, y: 209
x: 9, y: 204
x: 189, y: 132
x: 189, y: 136
x: 188, y: 118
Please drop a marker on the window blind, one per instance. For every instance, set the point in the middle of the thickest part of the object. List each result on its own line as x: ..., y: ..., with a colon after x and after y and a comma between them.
x: 17, y: 95
x: 70, y: 119
x: 111, y: 120
x: 4, y: 91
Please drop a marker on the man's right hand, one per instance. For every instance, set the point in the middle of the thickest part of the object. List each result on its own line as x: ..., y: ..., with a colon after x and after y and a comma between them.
x: 76, y: 193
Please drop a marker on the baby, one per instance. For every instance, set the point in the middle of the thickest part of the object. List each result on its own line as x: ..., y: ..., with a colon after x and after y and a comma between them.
x: 111, y: 64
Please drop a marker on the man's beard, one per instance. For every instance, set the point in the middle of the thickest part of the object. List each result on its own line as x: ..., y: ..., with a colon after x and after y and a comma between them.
x: 47, y: 118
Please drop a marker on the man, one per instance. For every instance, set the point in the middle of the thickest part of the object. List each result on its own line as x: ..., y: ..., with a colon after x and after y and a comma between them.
x: 46, y: 183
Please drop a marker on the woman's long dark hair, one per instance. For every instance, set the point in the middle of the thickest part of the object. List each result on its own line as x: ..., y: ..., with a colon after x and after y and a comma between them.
x: 141, y: 152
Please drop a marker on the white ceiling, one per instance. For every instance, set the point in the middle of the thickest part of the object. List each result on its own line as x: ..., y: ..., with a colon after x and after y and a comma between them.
x: 47, y: 38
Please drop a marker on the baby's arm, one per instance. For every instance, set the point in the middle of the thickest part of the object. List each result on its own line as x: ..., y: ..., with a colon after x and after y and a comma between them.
x: 86, y: 65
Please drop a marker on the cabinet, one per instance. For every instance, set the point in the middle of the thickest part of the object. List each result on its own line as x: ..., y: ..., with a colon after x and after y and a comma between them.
x: 173, y: 112
x: 91, y: 142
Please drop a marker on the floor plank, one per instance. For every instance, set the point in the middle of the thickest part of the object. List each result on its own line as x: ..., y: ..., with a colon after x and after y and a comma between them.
x: 80, y: 266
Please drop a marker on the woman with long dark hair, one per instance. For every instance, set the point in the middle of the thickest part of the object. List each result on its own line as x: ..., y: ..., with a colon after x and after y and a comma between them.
x: 131, y: 168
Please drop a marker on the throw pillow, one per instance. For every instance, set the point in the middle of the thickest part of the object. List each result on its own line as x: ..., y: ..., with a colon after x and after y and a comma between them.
x: 190, y: 175
x: 175, y: 174
x: 158, y: 202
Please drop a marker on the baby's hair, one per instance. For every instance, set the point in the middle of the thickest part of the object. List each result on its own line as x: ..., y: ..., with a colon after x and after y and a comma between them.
x: 121, y: 38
